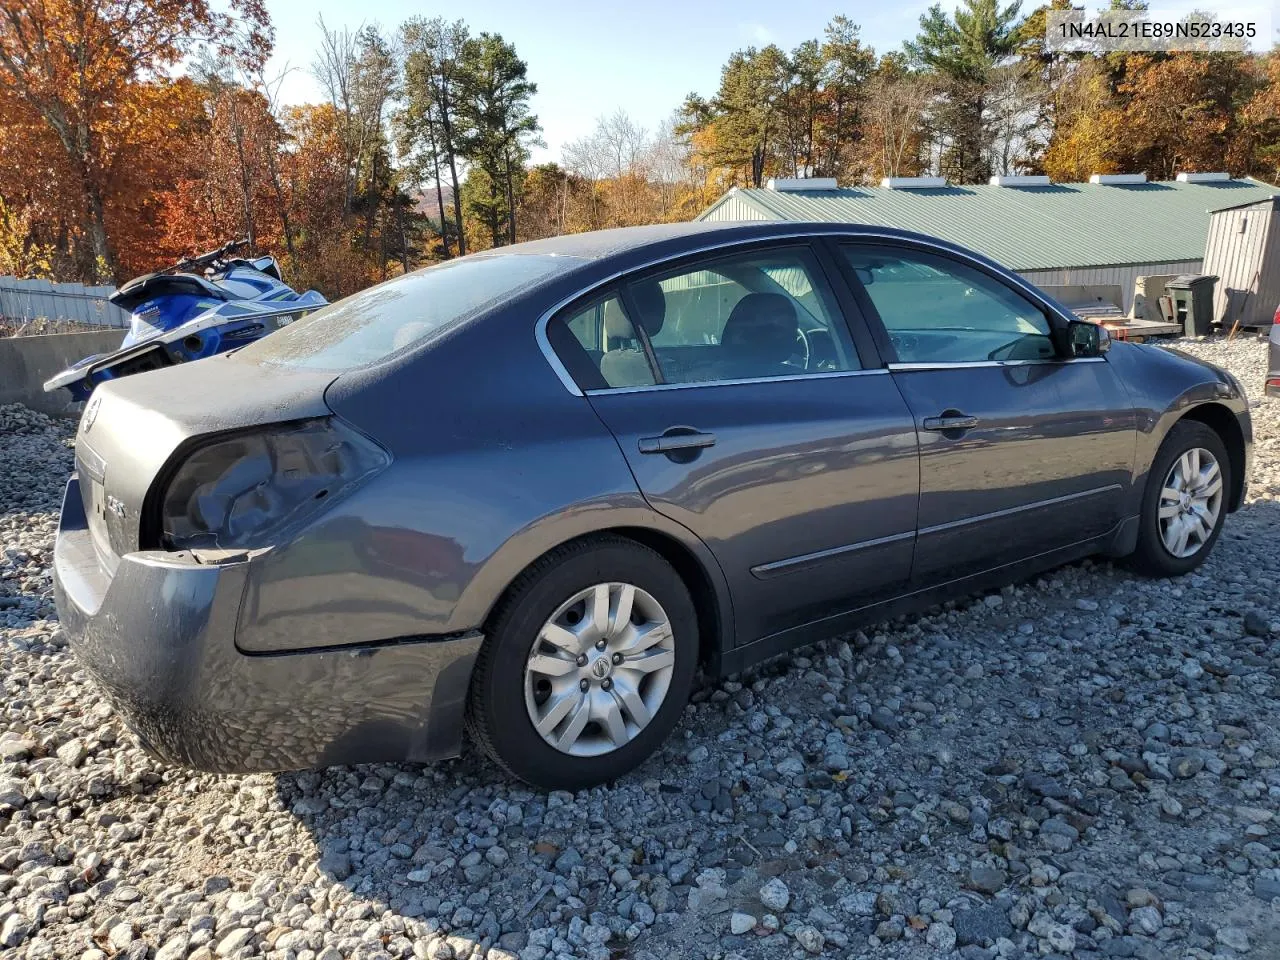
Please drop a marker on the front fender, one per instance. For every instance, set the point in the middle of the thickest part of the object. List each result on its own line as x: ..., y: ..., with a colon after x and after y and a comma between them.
x: 1167, y: 385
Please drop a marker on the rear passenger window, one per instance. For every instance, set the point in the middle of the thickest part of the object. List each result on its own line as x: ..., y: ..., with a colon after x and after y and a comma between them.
x: 758, y: 315
x: 601, y: 349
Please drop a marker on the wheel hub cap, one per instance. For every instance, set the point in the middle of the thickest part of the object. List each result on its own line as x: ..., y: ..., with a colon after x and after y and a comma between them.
x: 599, y: 669
x: 1190, y: 502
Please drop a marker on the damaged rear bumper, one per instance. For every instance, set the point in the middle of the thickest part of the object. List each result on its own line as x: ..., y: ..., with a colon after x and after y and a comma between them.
x: 159, y: 637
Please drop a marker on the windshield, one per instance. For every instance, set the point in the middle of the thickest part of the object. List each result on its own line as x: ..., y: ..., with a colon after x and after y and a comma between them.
x: 372, y: 325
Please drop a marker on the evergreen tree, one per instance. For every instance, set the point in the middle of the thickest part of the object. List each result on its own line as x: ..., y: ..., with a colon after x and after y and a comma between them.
x: 500, y: 128
x: 965, y: 50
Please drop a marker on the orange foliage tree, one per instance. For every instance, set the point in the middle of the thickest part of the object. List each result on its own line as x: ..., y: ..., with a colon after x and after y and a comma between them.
x: 86, y: 77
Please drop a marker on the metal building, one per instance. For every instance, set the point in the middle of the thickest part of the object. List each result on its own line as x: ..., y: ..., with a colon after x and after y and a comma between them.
x: 1111, y: 230
x: 1243, y: 252
x: 28, y: 300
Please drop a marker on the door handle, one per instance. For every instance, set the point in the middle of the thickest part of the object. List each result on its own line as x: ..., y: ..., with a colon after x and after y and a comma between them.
x: 677, y: 439
x: 950, y: 420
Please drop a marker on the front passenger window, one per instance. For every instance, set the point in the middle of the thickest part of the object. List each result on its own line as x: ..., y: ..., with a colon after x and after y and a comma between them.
x: 938, y: 310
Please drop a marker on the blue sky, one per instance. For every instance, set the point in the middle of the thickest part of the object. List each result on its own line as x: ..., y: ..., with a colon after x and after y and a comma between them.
x: 589, y: 58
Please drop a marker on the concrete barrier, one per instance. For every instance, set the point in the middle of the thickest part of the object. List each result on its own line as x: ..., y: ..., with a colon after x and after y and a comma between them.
x: 27, y: 362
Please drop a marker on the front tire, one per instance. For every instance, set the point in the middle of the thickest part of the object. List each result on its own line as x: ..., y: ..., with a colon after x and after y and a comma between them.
x: 588, y: 663
x: 1185, y: 501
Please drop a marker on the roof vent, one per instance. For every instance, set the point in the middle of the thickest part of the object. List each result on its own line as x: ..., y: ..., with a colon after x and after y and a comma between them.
x: 1019, y: 181
x: 800, y: 184
x: 1118, y: 179
x: 1218, y: 177
x: 913, y: 183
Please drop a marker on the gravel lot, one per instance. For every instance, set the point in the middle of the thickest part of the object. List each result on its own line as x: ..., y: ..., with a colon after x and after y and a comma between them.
x: 1081, y: 766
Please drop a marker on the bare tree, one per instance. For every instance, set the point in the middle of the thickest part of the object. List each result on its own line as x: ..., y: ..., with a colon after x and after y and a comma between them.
x: 269, y: 87
x: 667, y: 160
x: 334, y: 69
x: 895, y: 107
x: 618, y: 150
x: 1015, y: 104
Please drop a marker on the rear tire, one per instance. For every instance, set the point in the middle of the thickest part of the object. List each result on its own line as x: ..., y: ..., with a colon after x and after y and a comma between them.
x: 1187, y: 489
x: 587, y: 664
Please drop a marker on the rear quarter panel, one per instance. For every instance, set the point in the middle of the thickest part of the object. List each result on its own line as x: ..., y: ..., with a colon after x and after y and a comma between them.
x: 495, y: 463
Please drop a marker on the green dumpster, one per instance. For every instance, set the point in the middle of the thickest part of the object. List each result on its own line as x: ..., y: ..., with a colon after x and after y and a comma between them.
x: 1192, y: 295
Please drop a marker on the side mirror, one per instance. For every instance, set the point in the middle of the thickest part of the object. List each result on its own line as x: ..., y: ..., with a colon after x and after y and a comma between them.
x: 1085, y: 339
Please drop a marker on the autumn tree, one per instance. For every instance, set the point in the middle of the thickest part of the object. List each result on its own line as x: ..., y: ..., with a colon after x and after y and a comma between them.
x: 20, y: 254
x: 78, y: 65
x: 1261, y: 116
x: 1186, y: 111
x: 892, y: 141
x: 544, y: 203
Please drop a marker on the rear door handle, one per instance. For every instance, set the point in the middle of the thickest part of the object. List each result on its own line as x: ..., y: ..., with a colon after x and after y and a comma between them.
x: 951, y: 420
x: 676, y: 439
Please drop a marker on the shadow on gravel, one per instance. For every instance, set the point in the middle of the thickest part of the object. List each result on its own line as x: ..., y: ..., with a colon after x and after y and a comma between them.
x: 1055, y: 736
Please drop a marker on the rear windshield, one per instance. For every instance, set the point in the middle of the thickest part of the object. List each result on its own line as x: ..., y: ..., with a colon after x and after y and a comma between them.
x: 371, y: 325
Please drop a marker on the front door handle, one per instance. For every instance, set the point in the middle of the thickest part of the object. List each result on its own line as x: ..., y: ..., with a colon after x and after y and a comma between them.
x: 676, y: 439
x: 950, y: 420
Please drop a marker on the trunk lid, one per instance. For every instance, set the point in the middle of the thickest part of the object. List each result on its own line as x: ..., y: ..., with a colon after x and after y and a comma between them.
x: 132, y: 426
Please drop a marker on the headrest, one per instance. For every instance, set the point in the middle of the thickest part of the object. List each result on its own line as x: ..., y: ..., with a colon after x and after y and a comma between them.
x: 616, y: 324
x: 763, y: 324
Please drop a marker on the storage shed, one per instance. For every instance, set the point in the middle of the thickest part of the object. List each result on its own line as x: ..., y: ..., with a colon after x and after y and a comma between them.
x: 1243, y: 252
x: 1111, y: 230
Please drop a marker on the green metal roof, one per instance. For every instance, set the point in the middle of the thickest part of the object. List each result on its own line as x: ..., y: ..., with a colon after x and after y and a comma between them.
x: 1025, y: 228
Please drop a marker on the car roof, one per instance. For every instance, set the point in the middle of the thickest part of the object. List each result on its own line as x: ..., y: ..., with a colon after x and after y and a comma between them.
x: 623, y: 240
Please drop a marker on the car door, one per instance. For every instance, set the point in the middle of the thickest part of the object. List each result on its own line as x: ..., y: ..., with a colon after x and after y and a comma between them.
x: 747, y: 415
x: 1021, y: 451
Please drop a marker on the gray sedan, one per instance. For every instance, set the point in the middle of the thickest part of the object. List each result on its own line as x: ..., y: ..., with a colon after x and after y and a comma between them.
x: 532, y: 491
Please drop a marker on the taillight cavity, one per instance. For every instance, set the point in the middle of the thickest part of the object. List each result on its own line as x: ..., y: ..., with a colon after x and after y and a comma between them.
x: 253, y: 489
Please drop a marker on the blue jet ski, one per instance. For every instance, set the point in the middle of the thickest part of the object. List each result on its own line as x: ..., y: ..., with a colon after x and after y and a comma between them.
x: 201, y: 306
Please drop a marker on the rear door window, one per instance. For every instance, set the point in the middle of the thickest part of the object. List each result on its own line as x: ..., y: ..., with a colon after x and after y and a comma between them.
x: 757, y: 315
x: 604, y: 350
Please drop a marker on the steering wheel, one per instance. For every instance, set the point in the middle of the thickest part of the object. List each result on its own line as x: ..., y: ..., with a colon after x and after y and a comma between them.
x: 805, y: 353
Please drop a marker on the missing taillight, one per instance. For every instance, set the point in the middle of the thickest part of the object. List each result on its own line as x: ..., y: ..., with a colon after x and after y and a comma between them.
x: 252, y: 489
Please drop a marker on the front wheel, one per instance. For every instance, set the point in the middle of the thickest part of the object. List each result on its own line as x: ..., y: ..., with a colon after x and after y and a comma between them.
x: 1185, y: 501
x: 589, y: 661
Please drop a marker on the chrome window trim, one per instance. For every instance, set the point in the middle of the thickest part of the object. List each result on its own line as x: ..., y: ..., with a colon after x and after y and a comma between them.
x: 971, y: 364
x: 826, y: 375
x: 544, y: 343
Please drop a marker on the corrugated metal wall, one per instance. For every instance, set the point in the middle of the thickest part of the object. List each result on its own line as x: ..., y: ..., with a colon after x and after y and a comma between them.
x: 1243, y: 252
x: 733, y: 207
x: 1125, y: 276
x: 25, y: 300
